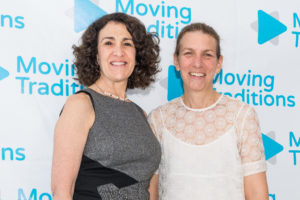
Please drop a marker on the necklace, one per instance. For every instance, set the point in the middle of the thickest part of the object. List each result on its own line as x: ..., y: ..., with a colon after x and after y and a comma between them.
x: 111, y: 95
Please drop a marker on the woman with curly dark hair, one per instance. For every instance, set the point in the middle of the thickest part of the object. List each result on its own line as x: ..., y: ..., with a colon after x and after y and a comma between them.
x: 103, y: 145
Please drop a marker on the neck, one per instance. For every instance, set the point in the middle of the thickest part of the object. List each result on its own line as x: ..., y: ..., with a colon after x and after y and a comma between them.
x: 117, y: 89
x: 198, y: 100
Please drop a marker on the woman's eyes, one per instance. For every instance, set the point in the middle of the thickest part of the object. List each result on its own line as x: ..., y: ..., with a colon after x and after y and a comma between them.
x: 108, y: 43
x: 205, y: 55
x: 210, y: 55
x: 128, y: 44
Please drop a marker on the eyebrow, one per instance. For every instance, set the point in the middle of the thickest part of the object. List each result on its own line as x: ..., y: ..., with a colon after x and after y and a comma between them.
x: 112, y: 38
x: 191, y: 49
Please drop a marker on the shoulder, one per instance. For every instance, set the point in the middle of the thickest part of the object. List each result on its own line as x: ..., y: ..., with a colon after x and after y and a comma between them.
x: 78, y: 104
x: 236, y: 108
x: 244, y: 113
x: 230, y: 101
x: 77, y: 115
x: 170, y: 106
x: 234, y: 104
x: 155, y: 110
x: 80, y: 99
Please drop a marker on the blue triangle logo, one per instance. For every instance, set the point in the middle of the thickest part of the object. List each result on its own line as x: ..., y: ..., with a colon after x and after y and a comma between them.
x: 3, y: 73
x: 271, y: 147
x: 85, y: 13
x: 268, y: 27
x: 175, y: 85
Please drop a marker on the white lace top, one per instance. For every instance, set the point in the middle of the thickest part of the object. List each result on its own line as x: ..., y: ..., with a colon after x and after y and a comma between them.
x: 207, y: 152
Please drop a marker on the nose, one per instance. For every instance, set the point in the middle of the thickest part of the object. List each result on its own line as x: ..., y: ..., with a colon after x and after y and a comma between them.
x: 198, y: 61
x: 118, y: 50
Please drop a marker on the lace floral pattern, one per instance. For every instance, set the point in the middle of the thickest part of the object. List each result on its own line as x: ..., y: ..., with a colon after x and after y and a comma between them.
x: 203, y: 126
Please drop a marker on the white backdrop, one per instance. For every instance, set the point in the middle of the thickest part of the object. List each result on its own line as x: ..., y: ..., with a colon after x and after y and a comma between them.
x: 36, y: 76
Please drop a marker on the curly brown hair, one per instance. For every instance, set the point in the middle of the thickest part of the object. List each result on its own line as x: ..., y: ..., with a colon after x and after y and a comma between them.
x: 199, y: 27
x: 146, y: 45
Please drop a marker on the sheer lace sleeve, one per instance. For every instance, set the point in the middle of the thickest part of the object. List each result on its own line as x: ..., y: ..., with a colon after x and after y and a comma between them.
x: 250, y: 142
x: 155, y: 121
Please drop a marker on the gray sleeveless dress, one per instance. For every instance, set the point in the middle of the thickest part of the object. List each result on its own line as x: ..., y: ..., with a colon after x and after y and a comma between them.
x: 121, y: 153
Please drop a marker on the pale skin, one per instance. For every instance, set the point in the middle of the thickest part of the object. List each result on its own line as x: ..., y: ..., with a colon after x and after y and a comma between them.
x: 198, y: 63
x: 116, y: 56
x: 256, y: 187
x: 69, y: 139
x: 153, y: 188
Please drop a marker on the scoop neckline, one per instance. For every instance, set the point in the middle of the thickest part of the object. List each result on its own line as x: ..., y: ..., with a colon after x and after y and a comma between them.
x: 202, y: 109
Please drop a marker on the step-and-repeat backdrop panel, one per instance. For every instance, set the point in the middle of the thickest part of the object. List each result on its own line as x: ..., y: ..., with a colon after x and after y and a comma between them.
x: 259, y: 40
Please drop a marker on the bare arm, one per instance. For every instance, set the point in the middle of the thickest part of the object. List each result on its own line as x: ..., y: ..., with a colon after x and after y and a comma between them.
x: 256, y: 187
x: 69, y: 139
x: 253, y: 157
x: 153, y: 188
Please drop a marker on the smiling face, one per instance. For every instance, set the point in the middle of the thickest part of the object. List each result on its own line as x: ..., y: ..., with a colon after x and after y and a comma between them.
x: 116, y: 53
x: 197, y: 61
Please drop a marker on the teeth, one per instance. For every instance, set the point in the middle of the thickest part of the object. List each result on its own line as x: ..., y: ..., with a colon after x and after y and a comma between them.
x: 118, y: 63
x: 196, y: 74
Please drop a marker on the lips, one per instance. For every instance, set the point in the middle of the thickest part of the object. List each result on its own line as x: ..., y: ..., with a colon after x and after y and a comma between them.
x: 197, y: 74
x: 118, y: 63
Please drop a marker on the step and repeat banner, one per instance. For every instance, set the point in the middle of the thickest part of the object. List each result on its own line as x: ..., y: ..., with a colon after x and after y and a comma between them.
x: 259, y: 41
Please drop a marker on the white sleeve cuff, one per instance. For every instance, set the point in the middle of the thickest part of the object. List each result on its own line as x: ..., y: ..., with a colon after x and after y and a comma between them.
x: 254, y: 167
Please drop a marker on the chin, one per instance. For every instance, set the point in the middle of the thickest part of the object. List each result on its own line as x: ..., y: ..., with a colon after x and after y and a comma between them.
x: 195, y: 88
x: 120, y: 79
